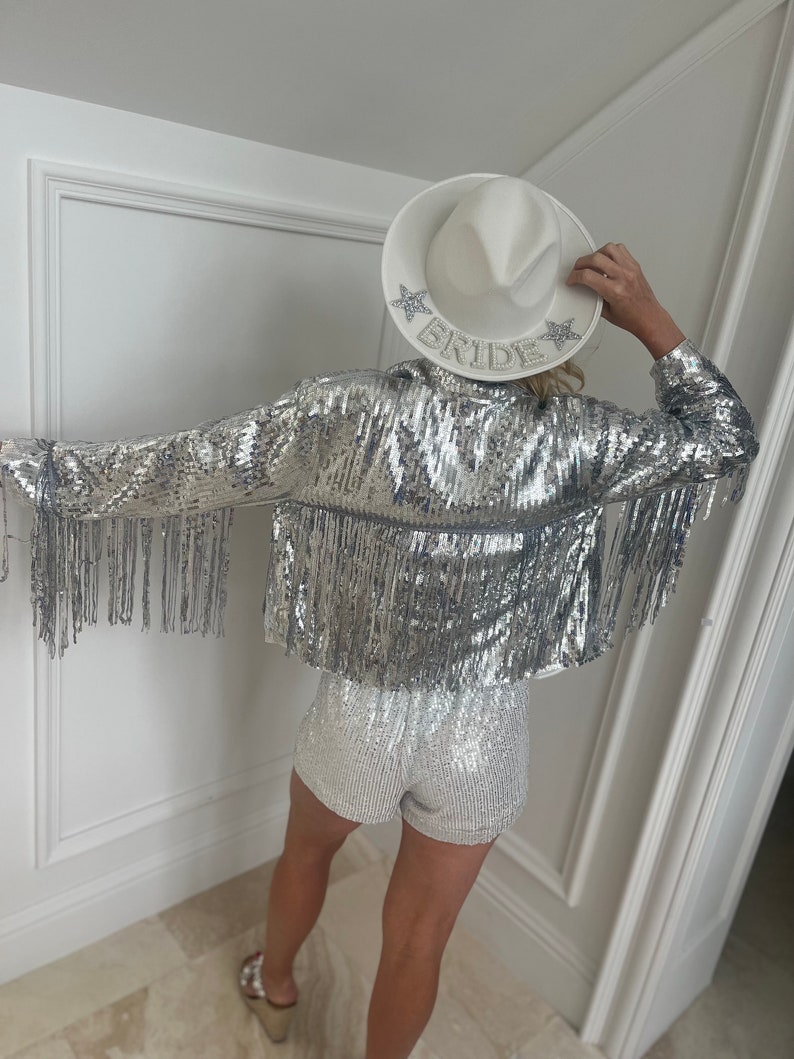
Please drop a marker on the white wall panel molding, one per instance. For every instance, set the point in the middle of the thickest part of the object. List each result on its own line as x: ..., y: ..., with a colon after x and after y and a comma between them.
x: 61, y: 845
x: 535, y: 864
x: 730, y: 655
x: 757, y: 680
x: 533, y: 926
x: 568, y: 882
x: 697, y: 50
x: 779, y: 760
x: 763, y: 172
x: 621, y: 697
x: 48, y: 929
x: 51, y: 185
x: 54, y: 844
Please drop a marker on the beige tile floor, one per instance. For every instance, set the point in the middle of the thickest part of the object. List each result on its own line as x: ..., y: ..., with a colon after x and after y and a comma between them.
x: 165, y: 988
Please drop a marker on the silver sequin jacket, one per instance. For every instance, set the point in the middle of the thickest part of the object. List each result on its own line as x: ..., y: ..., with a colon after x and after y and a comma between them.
x: 429, y: 530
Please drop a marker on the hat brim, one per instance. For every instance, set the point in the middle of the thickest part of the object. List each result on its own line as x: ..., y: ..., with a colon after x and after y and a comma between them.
x: 403, y: 265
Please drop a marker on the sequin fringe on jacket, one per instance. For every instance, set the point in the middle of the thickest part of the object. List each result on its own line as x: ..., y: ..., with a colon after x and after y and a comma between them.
x: 429, y: 530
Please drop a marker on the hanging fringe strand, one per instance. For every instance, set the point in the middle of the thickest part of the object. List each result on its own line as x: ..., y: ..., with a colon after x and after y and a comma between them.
x: 65, y: 572
x: 4, y: 559
x: 650, y: 541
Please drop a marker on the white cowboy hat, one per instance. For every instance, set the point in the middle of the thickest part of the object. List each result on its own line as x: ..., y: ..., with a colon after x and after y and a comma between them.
x: 474, y: 273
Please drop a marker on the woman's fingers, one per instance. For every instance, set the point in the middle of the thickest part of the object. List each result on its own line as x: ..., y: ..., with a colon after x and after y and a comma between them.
x: 629, y: 302
x: 600, y: 261
x: 591, y: 277
x: 614, y: 274
x: 612, y: 259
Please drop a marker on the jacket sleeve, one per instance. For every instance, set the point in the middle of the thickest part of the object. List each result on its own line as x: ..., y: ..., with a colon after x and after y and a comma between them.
x: 702, y: 431
x: 254, y: 457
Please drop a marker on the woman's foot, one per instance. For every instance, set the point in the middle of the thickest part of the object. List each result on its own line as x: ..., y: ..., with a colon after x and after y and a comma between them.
x: 272, y: 1003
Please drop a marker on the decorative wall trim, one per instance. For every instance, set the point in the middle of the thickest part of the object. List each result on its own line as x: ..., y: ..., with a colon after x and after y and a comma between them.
x: 64, y: 845
x: 755, y: 200
x: 695, y: 51
x: 620, y: 700
x: 653, y: 900
x: 534, y: 863
x: 51, y: 928
x: 530, y: 924
x: 47, y: 714
x: 51, y: 184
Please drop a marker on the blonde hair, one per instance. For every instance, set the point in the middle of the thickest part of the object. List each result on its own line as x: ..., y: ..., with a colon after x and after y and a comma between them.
x: 567, y: 377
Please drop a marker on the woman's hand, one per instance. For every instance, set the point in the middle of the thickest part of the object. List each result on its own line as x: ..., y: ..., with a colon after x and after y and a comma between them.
x: 629, y: 301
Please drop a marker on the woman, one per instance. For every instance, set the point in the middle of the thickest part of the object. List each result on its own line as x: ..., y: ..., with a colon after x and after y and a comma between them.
x: 438, y: 538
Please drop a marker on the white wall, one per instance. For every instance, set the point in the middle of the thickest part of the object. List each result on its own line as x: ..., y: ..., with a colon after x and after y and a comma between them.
x: 141, y: 769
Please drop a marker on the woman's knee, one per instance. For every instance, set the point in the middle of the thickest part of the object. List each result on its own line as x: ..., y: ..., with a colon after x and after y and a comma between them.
x: 421, y: 938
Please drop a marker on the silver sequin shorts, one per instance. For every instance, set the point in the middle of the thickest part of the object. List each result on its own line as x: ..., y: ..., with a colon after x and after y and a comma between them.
x: 455, y: 764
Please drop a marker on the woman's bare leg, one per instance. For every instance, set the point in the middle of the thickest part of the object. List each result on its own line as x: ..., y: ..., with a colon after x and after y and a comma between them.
x: 297, y: 891
x: 428, y: 886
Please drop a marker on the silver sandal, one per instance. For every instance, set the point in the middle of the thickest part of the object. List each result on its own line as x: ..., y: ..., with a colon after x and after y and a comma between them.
x: 275, y: 1018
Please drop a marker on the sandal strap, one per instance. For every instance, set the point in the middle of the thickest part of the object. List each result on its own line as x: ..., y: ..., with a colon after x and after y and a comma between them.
x: 251, y: 974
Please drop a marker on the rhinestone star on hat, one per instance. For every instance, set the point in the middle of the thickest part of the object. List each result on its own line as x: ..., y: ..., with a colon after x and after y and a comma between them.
x: 412, y: 302
x: 559, y: 334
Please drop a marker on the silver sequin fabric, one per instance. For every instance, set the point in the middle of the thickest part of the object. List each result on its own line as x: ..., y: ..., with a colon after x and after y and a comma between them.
x: 454, y: 764
x: 430, y: 530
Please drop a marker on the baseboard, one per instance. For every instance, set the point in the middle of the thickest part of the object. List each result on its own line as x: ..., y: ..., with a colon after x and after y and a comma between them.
x: 54, y: 928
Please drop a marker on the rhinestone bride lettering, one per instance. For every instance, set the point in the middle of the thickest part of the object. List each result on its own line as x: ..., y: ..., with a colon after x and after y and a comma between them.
x: 478, y: 353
